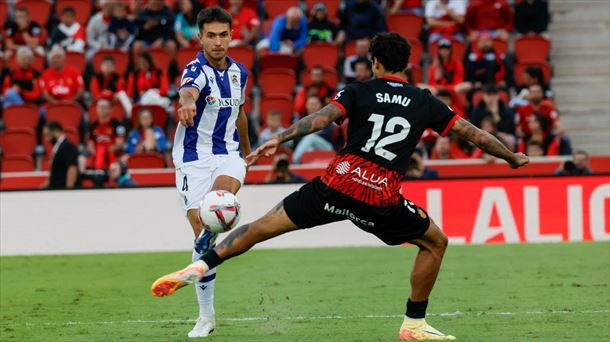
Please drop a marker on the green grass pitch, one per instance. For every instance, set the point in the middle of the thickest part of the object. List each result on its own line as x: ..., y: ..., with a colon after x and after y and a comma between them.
x: 544, y: 292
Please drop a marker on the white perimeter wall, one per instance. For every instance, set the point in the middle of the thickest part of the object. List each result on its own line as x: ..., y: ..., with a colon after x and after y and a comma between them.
x: 137, y: 220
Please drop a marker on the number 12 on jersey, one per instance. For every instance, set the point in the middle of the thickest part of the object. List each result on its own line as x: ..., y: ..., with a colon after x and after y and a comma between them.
x: 378, y: 121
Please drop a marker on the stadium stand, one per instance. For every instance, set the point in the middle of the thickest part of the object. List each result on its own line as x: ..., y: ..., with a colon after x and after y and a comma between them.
x: 23, y: 116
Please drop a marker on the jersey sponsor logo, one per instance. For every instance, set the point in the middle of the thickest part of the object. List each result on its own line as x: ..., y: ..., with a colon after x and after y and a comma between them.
x: 396, y: 99
x: 343, y: 168
x: 369, y: 179
x: 395, y: 84
x: 345, y: 212
x: 221, y: 102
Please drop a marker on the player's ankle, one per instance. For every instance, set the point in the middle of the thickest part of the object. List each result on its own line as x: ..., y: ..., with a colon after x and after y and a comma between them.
x: 211, y: 259
x: 416, y: 310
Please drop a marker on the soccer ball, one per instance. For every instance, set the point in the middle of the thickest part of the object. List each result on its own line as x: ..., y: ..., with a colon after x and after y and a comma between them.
x: 219, y: 211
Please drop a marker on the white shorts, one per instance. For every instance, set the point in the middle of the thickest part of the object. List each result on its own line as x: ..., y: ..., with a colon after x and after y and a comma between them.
x: 195, y: 181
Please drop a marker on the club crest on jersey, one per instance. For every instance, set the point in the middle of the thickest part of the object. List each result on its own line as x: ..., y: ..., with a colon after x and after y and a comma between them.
x: 234, y: 81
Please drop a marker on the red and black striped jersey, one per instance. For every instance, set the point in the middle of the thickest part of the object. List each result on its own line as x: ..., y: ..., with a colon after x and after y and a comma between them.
x: 387, y: 117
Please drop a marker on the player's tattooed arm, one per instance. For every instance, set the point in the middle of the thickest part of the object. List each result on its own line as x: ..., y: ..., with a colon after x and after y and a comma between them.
x: 488, y: 143
x: 311, y: 123
x: 227, y: 248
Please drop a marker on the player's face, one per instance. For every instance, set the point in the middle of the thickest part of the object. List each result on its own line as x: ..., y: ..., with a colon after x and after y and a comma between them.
x: 215, y: 38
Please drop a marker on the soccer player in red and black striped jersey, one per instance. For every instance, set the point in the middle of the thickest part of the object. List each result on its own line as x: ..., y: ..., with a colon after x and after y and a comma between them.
x: 387, y: 116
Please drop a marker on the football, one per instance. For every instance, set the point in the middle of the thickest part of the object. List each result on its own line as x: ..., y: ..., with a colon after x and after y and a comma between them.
x: 219, y: 211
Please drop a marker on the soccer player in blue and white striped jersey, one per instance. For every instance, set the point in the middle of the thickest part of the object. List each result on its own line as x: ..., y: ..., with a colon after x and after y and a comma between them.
x: 211, y: 139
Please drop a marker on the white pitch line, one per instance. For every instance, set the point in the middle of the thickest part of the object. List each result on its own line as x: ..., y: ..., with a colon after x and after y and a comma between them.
x: 331, y: 317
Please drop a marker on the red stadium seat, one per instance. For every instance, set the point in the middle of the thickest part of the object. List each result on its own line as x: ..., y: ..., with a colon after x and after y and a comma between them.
x: 161, y: 58
x: 458, y: 49
x: 277, y: 82
x: 243, y: 54
x: 284, y: 104
x: 81, y: 7
x: 3, y: 12
x: 477, y: 97
x: 38, y: 64
x: 266, y: 27
x: 17, y: 164
x: 277, y: 60
x: 532, y: 49
x: 77, y: 60
x: 18, y: 142
x: 68, y: 114
x: 39, y: 10
x: 184, y: 56
x: 146, y: 161
x: 324, y: 54
x: 158, y: 112
x: 21, y: 116
x: 72, y: 135
x: 331, y: 5
x: 417, y: 50
x: 248, y: 105
x: 350, y: 48
x: 520, y: 68
x: 406, y: 24
x: 118, y: 112
x: 278, y: 7
x: 500, y: 46
x: 330, y: 75
x: 121, y: 60
x: 318, y: 157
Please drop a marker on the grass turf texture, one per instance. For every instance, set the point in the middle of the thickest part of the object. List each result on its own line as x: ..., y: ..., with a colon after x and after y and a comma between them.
x: 556, y: 292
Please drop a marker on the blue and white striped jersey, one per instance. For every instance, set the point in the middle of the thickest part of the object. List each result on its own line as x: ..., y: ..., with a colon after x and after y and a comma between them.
x: 222, y: 93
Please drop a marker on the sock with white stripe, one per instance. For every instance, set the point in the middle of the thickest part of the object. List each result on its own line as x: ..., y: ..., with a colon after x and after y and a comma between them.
x: 205, y: 287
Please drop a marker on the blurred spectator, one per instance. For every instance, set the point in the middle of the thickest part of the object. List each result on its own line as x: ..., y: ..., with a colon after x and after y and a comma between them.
x: 246, y: 24
x: 447, y: 72
x: 156, y: 28
x: 69, y: 33
x: 318, y: 87
x: 23, y: 32
x: 281, y: 172
x: 447, y: 97
x: 486, y: 65
x: 534, y: 148
x: 364, y: 70
x: 578, y: 166
x: 288, y: 33
x: 186, y: 23
x: 107, y: 137
x: 490, y: 126
x: 536, y: 104
x: 362, y: 53
x: 108, y: 83
x: 531, y: 76
x: 493, y: 107
x: 122, y: 30
x: 531, y: 16
x: 146, y: 137
x: 322, y: 29
x: 273, y: 127
x: 539, y: 127
x: 146, y: 79
x: 63, y: 159
x: 120, y: 174
x: 21, y: 85
x: 97, y: 28
x: 445, y: 19
x: 404, y: 6
x: 491, y: 16
x: 321, y: 140
x: 362, y: 19
x: 445, y: 149
x: 60, y: 82
x: 416, y: 168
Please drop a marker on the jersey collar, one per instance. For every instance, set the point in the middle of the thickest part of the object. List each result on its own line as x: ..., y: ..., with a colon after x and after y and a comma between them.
x: 204, y: 61
x: 394, y: 78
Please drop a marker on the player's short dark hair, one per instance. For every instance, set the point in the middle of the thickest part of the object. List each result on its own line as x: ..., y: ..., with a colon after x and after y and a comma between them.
x: 214, y: 14
x: 68, y: 10
x: 54, y: 126
x: 391, y: 50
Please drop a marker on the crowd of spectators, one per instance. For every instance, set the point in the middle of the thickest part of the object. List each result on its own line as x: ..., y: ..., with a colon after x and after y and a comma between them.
x: 468, y: 69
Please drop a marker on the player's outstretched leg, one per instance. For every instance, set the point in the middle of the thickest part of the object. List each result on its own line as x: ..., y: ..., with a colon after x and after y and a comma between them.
x: 274, y: 223
x: 432, y: 246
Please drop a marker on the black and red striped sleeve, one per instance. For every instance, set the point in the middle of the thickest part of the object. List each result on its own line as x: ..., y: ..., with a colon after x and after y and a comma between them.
x: 345, y: 99
x: 442, y: 117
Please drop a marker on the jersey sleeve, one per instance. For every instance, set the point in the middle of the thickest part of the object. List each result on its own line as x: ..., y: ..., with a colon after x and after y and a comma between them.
x: 345, y: 99
x: 193, y: 77
x: 442, y: 116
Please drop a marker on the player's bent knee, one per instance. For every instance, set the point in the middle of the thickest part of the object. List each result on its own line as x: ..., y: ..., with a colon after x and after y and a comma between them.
x: 437, y: 240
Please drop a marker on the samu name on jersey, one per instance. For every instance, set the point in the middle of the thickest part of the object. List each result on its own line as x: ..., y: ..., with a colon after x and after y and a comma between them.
x: 222, y: 93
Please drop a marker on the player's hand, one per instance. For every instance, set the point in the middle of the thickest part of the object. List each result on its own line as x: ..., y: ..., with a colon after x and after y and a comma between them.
x: 186, y: 113
x: 519, y: 160
x: 267, y: 149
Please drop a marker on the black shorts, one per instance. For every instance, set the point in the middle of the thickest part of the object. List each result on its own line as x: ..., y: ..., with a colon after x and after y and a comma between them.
x: 316, y: 204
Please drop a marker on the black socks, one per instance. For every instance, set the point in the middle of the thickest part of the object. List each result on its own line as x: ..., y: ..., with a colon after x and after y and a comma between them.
x: 416, y: 310
x: 212, y: 259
